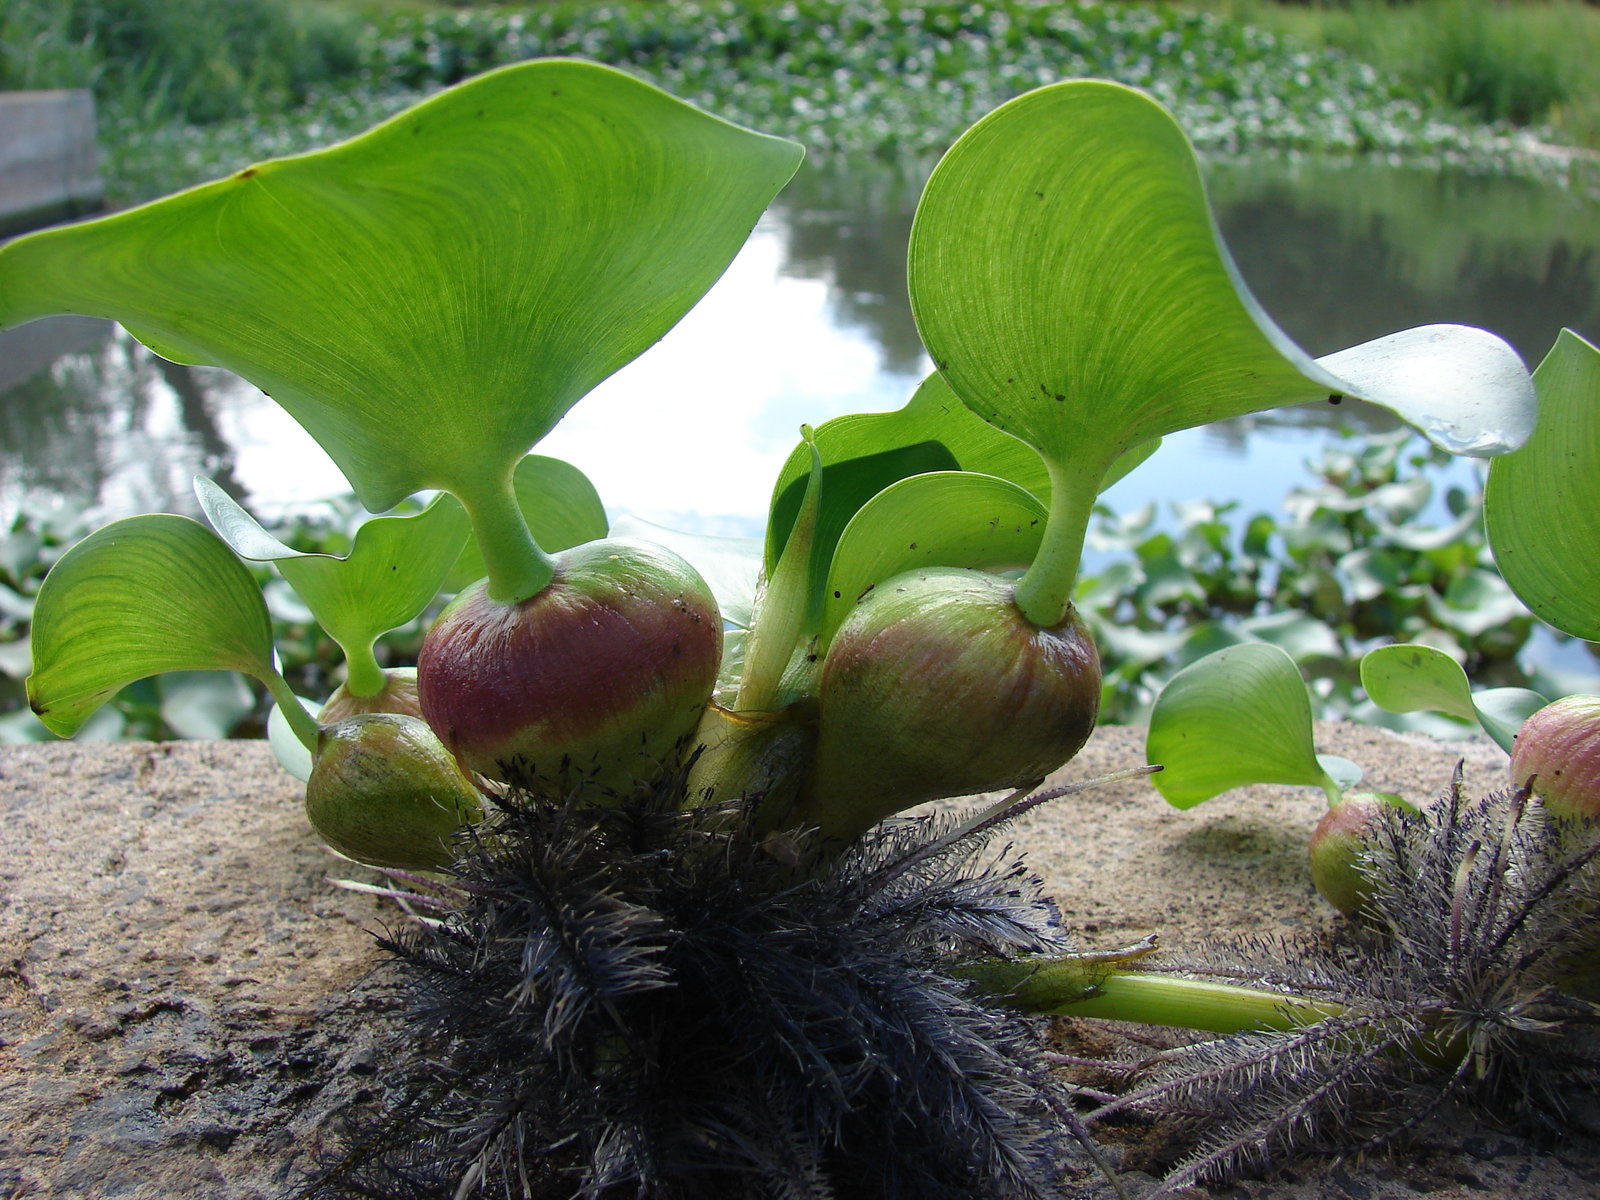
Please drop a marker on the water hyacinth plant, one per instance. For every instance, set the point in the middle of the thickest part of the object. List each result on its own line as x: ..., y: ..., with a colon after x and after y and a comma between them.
x: 429, y: 299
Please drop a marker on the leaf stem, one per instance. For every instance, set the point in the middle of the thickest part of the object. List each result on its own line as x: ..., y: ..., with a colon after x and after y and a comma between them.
x: 518, y: 570
x: 1088, y: 986
x: 781, y: 611
x: 1044, y: 593
x: 304, y: 726
x: 363, y: 675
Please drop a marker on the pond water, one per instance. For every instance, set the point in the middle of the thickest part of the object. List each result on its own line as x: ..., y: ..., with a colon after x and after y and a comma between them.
x: 812, y: 320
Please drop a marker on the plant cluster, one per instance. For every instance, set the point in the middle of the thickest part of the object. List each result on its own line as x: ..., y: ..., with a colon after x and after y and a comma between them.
x: 430, y: 299
x: 1474, y: 980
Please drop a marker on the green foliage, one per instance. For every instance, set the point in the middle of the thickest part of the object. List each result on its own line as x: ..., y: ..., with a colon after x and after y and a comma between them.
x: 877, y: 77
x: 1346, y: 567
x: 192, y: 60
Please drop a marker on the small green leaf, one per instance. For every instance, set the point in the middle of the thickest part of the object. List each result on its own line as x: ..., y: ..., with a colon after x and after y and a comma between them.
x: 1407, y: 677
x: 1542, y: 504
x: 394, y: 569
x: 944, y: 519
x: 731, y: 566
x: 1501, y: 712
x: 560, y: 505
x: 1067, y: 278
x: 142, y: 596
x: 1237, y: 717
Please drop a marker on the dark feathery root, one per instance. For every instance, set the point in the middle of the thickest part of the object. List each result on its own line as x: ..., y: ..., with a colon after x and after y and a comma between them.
x: 643, y: 1001
x: 1475, y: 981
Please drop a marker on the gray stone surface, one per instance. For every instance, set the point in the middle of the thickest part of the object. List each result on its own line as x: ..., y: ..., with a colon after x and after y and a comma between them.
x: 188, y: 1008
x: 49, y: 158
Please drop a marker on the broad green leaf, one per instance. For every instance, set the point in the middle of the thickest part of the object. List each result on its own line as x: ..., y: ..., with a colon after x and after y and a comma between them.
x: 394, y: 569
x: 1408, y: 677
x: 1501, y: 712
x: 1435, y: 725
x: 1237, y: 717
x: 429, y: 298
x: 731, y: 566
x: 141, y: 596
x: 945, y: 519
x: 1067, y: 278
x: 560, y: 505
x: 1542, y: 505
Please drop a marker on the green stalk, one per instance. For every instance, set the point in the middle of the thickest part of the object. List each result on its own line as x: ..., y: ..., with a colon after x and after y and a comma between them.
x: 1044, y: 593
x: 1094, y: 985
x: 782, y: 612
x: 518, y: 570
x: 363, y: 675
x: 304, y: 726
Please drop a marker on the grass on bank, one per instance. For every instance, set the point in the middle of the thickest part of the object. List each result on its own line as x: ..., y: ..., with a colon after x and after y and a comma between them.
x: 190, y: 89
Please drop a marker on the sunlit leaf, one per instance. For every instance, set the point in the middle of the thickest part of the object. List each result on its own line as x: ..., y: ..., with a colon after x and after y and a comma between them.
x: 731, y: 566
x: 394, y: 569
x: 560, y: 505
x: 1237, y: 717
x: 1414, y: 678
x: 946, y: 519
x: 1404, y: 678
x: 1067, y: 278
x: 1501, y: 712
x: 429, y: 298
x: 141, y: 596
x: 1542, y: 505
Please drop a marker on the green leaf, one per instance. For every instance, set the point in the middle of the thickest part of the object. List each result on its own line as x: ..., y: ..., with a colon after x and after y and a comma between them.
x: 1407, y: 677
x: 1237, y: 717
x: 933, y: 414
x: 394, y: 569
x: 560, y: 505
x: 1501, y: 712
x: 1067, y: 278
x: 945, y: 519
x: 428, y: 299
x: 1411, y: 678
x: 1542, y: 504
x: 142, y: 596
x: 730, y: 566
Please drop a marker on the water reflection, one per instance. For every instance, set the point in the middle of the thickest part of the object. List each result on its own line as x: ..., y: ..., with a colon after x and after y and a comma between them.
x: 814, y: 320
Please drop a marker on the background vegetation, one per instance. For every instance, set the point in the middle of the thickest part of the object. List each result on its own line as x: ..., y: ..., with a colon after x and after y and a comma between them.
x: 193, y: 88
